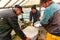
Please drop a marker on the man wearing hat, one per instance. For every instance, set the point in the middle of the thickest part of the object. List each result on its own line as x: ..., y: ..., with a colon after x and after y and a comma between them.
x: 9, y: 21
x: 34, y: 14
x: 51, y: 19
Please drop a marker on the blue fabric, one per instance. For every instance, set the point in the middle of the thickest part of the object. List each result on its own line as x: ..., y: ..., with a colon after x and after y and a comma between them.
x: 49, y: 11
x: 34, y: 16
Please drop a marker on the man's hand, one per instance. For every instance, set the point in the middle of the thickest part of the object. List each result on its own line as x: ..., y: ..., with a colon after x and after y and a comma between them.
x: 40, y: 17
x: 28, y: 38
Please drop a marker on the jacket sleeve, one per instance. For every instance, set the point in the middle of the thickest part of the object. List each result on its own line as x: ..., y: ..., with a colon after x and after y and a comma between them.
x: 13, y: 21
x: 30, y: 16
x: 45, y: 19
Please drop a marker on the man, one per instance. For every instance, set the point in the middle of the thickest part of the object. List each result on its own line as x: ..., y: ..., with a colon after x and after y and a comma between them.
x: 51, y: 19
x: 34, y: 13
x: 9, y: 21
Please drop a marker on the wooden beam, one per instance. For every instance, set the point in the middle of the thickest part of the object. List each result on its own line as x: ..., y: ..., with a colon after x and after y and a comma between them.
x: 15, y: 3
x: 7, y: 3
x: 29, y: 6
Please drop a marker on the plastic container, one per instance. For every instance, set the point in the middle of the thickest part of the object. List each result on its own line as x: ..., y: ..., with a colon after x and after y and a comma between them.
x: 31, y: 32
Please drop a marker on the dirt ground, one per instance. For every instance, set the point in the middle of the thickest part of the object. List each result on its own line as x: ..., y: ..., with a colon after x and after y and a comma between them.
x: 42, y: 35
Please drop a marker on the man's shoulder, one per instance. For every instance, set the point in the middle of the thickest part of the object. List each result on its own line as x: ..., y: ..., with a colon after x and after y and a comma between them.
x: 38, y: 11
x: 30, y: 12
x: 57, y: 12
x: 7, y: 12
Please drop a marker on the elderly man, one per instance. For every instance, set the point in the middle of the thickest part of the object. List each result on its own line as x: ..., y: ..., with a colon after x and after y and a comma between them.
x: 9, y: 21
x: 51, y: 19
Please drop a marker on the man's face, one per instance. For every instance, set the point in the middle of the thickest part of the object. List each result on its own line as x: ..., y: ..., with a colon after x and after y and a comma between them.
x: 34, y: 10
x: 18, y: 11
x: 45, y: 4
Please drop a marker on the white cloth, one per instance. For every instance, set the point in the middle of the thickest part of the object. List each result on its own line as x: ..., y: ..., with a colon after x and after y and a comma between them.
x: 37, y: 24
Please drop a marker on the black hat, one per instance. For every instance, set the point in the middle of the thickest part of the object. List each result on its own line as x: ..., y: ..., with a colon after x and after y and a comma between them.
x: 17, y: 6
x: 33, y: 7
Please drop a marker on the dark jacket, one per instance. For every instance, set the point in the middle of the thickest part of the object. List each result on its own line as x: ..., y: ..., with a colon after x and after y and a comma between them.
x: 34, y: 16
x: 53, y: 25
x: 9, y: 21
x: 51, y: 19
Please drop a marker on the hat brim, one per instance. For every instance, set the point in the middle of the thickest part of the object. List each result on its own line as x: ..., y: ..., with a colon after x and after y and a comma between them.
x: 22, y: 11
